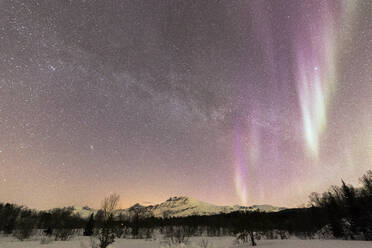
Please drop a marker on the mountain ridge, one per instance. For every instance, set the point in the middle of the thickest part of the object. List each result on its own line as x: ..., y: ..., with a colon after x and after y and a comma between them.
x: 177, y: 206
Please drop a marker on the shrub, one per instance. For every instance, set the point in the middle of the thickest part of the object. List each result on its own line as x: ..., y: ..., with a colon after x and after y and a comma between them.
x: 63, y: 234
x: 25, y: 228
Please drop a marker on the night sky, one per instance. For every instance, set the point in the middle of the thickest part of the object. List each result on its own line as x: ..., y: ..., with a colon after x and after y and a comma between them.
x: 229, y: 102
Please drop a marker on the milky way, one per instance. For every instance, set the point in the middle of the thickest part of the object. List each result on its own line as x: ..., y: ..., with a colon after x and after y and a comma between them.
x: 230, y: 102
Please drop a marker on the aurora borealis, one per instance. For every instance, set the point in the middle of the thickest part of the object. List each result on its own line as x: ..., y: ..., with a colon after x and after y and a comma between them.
x: 229, y: 102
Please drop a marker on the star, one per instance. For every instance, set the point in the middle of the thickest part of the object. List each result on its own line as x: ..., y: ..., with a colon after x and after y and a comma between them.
x: 253, y: 96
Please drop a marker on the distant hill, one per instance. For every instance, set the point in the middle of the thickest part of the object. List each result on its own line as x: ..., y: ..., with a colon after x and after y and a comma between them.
x: 178, y: 207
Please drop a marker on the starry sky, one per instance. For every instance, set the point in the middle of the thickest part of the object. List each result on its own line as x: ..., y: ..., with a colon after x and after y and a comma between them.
x: 229, y: 102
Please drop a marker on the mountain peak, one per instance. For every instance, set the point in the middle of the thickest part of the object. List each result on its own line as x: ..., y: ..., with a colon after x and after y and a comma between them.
x: 179, y: 206
x: 178, y: 198
x: 175, y: 198
x: 136, y: 206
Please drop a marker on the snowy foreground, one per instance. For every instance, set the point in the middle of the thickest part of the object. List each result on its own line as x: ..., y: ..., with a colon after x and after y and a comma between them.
x: 220, y: 242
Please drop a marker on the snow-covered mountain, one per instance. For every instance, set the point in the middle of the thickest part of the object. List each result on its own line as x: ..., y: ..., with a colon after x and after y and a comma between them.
x: 84, y: 212
x: 266, y: 208
x: 178, y: 207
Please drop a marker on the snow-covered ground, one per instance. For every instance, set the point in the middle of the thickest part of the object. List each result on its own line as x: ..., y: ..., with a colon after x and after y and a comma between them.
x: 220, y: 242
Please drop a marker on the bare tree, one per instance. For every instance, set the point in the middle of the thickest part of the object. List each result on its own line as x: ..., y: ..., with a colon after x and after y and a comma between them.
x: 110, y: 205
x: 106, y: 235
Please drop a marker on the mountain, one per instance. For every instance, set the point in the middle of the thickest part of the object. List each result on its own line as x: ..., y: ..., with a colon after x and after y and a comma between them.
x: 266, y: 208
x: 178, y: 207
x: 84, y: 212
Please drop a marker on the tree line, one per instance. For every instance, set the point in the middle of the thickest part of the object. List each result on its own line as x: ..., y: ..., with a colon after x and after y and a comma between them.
x: 342, y: 212
x: 348, y: 209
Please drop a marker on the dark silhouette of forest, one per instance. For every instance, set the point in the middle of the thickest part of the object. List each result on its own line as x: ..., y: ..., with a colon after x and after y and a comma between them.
x: 343, y: 212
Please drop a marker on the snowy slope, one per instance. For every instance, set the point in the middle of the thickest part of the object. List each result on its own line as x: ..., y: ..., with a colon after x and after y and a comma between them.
x: 179, y: 207
x: 266, y: 208
x: 83, y: 212
x: 185, y: 206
